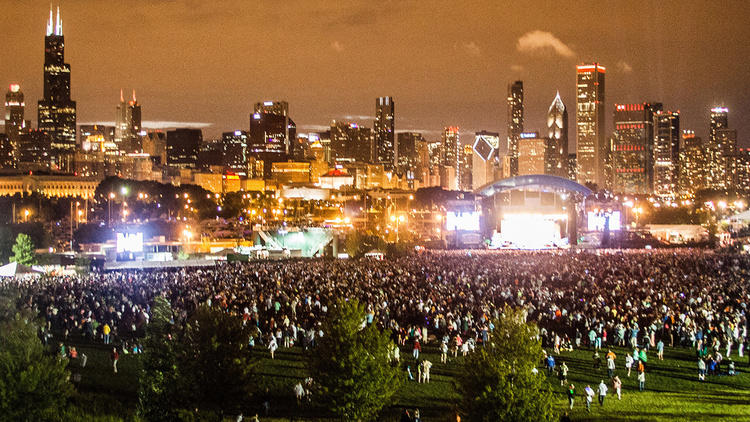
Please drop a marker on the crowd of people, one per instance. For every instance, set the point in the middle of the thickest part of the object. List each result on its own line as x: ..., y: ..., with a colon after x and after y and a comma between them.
x: 641, y: 300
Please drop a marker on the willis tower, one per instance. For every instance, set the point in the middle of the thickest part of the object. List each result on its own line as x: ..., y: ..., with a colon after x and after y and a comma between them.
x: 57, y: 113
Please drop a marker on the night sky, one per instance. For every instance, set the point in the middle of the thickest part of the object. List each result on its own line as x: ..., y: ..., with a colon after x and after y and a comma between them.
x: 444, y: 62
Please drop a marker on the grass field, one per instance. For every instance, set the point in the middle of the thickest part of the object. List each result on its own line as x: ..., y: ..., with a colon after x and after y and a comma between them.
x: 672, y: 389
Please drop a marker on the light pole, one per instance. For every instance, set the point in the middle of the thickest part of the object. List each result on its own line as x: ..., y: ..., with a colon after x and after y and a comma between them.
x: 109, y: 208
x: 26, y: 215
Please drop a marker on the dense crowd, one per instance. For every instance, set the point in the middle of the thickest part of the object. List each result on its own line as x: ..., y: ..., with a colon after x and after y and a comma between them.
x: 639, y: 299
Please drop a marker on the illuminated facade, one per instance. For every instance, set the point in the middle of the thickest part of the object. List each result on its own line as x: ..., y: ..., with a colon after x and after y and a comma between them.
x: 532, y: 150
x: 515, y: 123
x: 556, y: 161
x: 234, y: 151
x: 666, y: 152
x: 693, y: 161
x: 742, y: 169
x: 54, y: 186
x: 717, y: 161
x: 591, y: 146
x: 466, y: 168
x: 484, y: 158
x: 56, y: 112
x: 384, y: 147
x: 183, y: 146
x: 128, y: 125
x: 451, y: 153
x: 272, y: 134
x: 633, y: 148
x: 14, y: 124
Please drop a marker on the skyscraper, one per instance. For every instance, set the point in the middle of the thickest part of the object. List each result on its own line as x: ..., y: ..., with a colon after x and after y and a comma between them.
x: 408, y: 144
x: 532, y: 151
x: 385, y: 149
x: 515, y: 123
x: 183, y: 146
x: 556, y: 162
x: 128, y: 125
x: 272, y: 134
x: 57, y: 113
x: 465, y: 172
x: 722, y: 144
x: 693, y: 160
x: 591, y: 146
x: 633, y: 148
x: 234, y: 151
x: 484, y: 158
x: 350, y: 142
x: 666, y: 152
x: 449, y: 175
x: 14, y: 124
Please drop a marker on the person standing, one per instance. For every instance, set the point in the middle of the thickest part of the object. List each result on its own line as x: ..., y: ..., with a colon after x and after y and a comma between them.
x: 443, y: 352
x: 610, y: 366
x: 417, y: 348
x: 701, y: 369
x: 563, y: 374
x: 571, y: 395
x: 602, y: 392
x: 641, y: 381
x: 115, y: 357
x: 660, y: 350
x: 106, y: 330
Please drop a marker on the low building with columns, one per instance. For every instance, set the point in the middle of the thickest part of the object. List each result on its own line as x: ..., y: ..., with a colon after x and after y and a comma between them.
x: 49, y: 185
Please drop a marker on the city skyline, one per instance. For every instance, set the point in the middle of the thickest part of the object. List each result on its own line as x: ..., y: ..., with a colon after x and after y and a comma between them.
x: 543, y: 55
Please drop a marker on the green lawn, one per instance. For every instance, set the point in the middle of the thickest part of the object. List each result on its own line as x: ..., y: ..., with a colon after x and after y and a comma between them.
x: 673, y: 391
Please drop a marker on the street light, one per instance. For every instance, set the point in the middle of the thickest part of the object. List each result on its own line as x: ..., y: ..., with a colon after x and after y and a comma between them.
x: 26, y: 215
x: 109, y: 208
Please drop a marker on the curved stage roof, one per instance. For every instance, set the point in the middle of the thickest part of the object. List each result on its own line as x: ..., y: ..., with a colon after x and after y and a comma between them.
x: 516, y: 182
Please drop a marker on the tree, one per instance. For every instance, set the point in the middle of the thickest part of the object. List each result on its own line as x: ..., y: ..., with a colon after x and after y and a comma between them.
x: 23, y: 250
x: 159, y: 380
x: 498, y: 383
x: 217, y: 360
x: 33, y: 385
x: 350, y: 366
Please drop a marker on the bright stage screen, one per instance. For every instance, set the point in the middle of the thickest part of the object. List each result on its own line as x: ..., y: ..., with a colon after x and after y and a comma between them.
x: 596, y: 221
x: 129, y: 242
x: 531, y: 231
x: 468, y: 221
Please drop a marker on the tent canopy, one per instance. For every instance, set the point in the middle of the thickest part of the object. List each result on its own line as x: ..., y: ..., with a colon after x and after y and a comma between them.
x: 14, y: 268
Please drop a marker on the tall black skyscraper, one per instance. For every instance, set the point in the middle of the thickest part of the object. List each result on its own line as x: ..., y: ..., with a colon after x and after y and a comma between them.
x: 385, y: 149
x: 183, y: 146
x: 515, y: 123
x: 272, y: 134
x: 57, y: 113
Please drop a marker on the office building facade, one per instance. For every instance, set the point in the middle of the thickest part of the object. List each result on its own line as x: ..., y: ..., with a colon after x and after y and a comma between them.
x: 591, y: 145
x: 633, y: 148
x: 515, y: 123
x: 556, y: 162
x: 666, y: 152
x: 384, y: 147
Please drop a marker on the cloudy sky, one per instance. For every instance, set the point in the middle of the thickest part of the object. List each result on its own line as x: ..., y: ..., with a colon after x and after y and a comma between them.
x: 444, y: 62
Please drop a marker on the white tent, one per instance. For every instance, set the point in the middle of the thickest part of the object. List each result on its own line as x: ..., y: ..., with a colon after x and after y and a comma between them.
x: 14, y: 269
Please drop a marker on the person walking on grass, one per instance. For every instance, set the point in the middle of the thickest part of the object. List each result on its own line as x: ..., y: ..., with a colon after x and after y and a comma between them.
x: 701, y: 369
x: 629, y: 362
x: 617, y: 385
x: 571, y: 395
x: 563, y: 374
x: 610, y: 365
x: 589, y: 397
x: 115, y: 357
x: 641, y: 381
x: 602, y: 392
x: 660, y: 349
x: 416, y: 350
